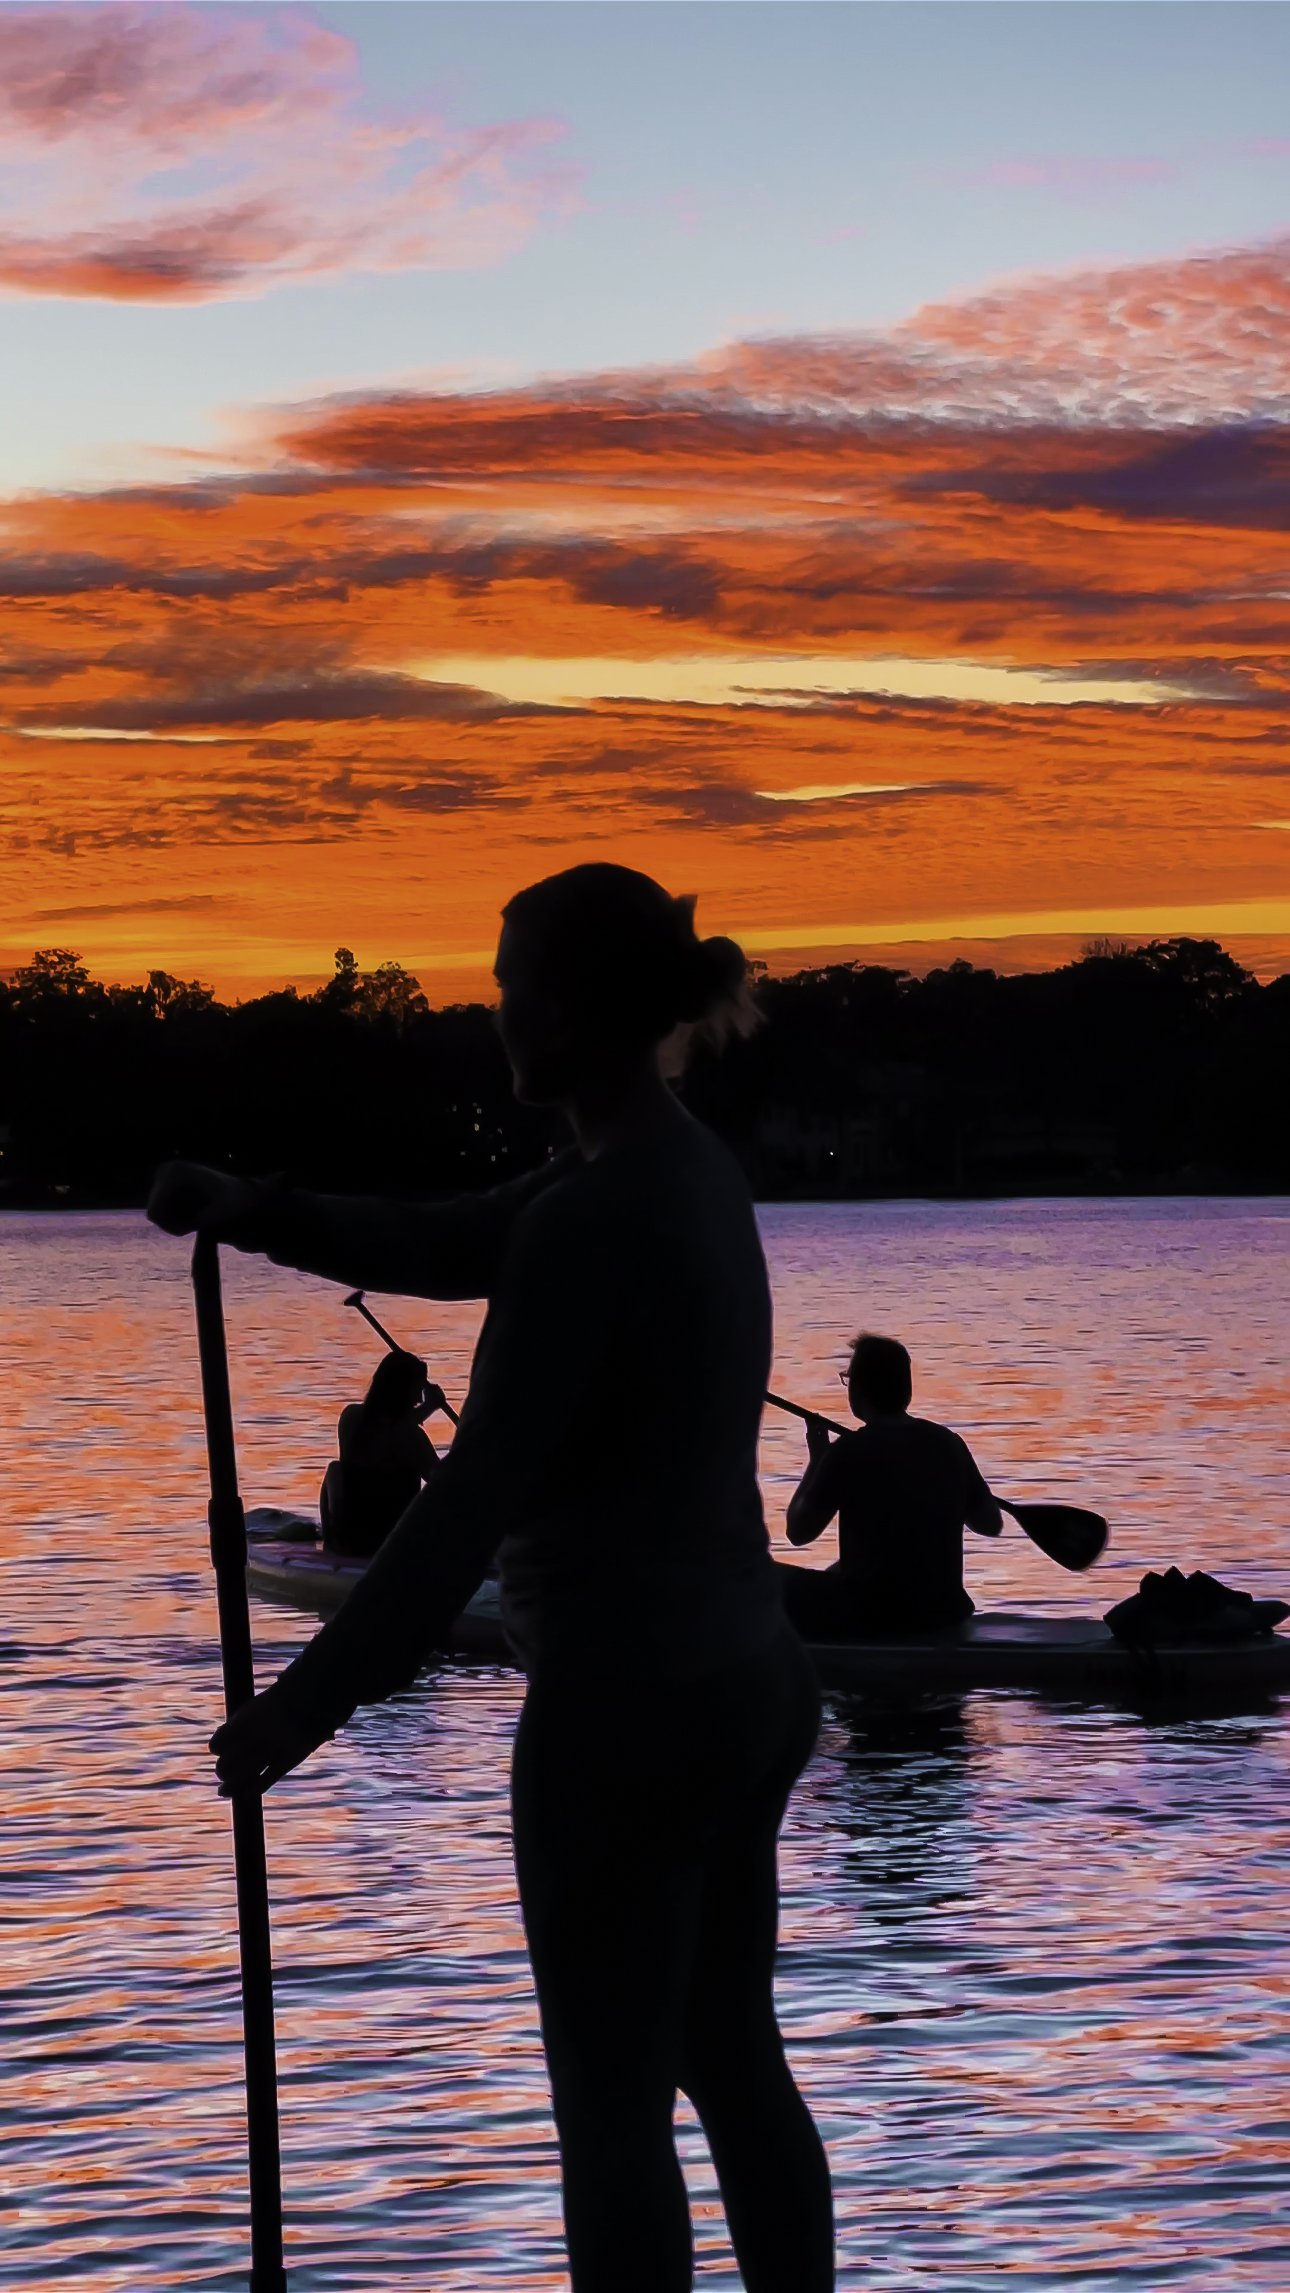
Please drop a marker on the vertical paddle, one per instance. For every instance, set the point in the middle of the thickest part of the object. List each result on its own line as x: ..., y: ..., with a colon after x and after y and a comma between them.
x: 357, y: 1299
x: 228, y: 1554
x: 1066, y: 1533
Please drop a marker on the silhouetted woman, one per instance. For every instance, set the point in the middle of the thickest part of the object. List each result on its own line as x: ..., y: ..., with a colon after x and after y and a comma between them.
x: 385, y: 1455
x: 670, y: 1708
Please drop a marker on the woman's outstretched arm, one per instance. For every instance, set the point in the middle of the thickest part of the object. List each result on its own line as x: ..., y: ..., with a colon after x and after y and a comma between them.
x: 540, y: 1368
x: 451, y: 1249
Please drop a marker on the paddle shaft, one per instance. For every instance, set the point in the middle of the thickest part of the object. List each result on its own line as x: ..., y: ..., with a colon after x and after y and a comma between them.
x: 228, y: 1555
x: 808, y: 1416
x: 360, y: 1305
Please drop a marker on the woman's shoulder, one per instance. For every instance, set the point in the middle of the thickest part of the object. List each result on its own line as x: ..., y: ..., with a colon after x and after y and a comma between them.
x: 567, y: 1196
x: 624, y: 1192
x: 686, y: 1159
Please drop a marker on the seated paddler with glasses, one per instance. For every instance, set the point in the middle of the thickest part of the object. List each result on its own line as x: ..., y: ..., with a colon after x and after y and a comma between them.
x: 902, y: 1491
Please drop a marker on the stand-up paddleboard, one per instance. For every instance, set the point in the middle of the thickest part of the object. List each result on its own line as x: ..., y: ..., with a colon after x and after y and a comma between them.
x: 286, y: 1563
x: 1078, y: 1655
x: 1075, y: 1654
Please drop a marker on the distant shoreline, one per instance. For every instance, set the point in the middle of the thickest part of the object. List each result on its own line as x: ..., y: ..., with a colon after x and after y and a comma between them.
x: 1213, y: 1189
x: 1157, y: 1070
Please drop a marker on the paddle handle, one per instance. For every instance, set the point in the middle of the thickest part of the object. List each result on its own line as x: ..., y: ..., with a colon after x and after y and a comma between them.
x: 228, y: 1556
x: 358, y: 1302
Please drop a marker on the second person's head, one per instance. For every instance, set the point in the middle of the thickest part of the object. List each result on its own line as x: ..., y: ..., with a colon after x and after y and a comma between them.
x: 880, y: 1379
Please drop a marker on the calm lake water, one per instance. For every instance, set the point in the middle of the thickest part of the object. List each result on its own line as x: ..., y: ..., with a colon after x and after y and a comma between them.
x: 1034, y: 1971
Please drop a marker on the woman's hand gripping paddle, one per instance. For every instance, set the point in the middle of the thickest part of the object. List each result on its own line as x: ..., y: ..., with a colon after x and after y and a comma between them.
x: 1069, y: 1535
x: 228, y: 1553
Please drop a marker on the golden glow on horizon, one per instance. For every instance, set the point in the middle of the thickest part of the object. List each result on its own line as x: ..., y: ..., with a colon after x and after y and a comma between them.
x: 1233, y: 918
x: 820, y: 791
x: 1237, y: 919
x: 108, y: 733
x: 728, y: 679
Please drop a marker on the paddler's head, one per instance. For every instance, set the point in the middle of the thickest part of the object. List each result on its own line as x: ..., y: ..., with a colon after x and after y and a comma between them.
x: 398, y: 1382
x: 602, y: 974
x: 880, y: 1378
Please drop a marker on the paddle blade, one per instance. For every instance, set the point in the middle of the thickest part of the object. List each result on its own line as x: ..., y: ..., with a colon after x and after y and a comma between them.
x: 1069, y: 1536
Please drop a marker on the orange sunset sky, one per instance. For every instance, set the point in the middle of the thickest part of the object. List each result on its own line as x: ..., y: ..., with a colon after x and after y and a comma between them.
x: 956, y: 626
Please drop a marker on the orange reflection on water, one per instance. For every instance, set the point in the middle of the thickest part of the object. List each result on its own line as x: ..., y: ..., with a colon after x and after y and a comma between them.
x: 1033, y: 1970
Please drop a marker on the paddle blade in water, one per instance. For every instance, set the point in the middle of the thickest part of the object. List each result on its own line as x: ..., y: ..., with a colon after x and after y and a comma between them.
x: 1069, y: 1536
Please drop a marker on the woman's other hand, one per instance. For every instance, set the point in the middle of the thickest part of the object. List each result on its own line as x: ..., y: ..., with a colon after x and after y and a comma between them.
x: 263, y: 1742
x: 188, y: 1198
x: 433, y: 1397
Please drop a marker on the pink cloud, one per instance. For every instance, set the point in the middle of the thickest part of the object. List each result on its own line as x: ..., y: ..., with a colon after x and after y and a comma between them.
x: 176, y: 154
x: 1199, y: 338
x: 1079, y: 175
x: 159, y: 81
x: 1072, y: 176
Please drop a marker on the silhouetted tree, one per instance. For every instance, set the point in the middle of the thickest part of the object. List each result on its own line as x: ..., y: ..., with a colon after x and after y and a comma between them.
x: 1158, y: 1067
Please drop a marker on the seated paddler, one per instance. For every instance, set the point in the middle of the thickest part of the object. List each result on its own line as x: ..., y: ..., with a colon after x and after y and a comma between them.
x: 385, y: 1457
x: 902, y: 1491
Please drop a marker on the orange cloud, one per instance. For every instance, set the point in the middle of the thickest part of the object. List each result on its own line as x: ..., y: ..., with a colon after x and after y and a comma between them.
x: 423, y: 646
x: 179, y: 154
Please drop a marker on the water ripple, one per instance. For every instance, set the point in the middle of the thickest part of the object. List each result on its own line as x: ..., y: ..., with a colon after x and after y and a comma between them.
x: 1033, y: 1973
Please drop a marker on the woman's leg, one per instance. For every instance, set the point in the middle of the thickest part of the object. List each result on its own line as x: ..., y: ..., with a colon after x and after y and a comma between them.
x: 611, y: 1921
x: 770, y: 2161
x: 645, y: 1846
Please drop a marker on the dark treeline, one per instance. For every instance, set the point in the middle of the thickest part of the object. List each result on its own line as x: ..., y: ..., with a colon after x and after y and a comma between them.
x: 1155, y: 1068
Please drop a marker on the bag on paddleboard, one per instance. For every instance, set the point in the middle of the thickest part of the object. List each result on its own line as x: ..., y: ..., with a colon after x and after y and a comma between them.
x: 1170, y: 1608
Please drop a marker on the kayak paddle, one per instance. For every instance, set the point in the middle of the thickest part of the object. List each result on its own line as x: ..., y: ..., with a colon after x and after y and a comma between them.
x: 228, y: 1553
x: 1069, y: 1535
x: 358, y: 1300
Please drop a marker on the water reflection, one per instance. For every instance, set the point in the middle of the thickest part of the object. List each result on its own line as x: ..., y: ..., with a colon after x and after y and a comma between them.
x: 904, y: 1794
x: 1033, y: 1973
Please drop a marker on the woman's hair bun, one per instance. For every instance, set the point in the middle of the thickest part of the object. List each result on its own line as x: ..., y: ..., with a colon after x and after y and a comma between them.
x: 716, y: 970
x: 715, y: 997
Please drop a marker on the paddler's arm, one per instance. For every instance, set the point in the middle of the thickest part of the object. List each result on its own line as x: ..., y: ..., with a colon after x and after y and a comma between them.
x: 815, y: 1500
x: 980, y: 1512
x: 450, y: 1249
x: 984, y: 1517
x: 519, y: 1430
